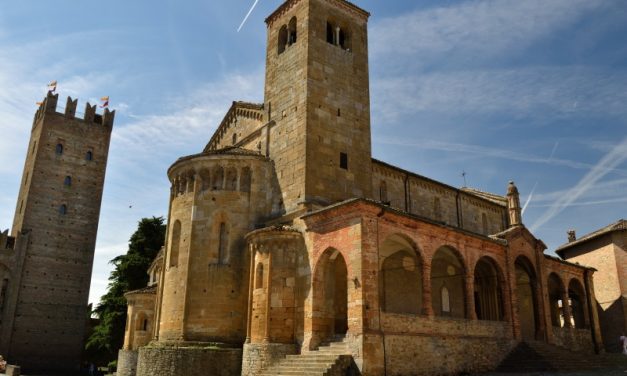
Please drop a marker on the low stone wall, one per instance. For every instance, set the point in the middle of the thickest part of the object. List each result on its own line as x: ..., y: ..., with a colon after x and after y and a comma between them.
x: 418, y: 345
x: 573, y: 339
x: 196, y: 360
x: 258, y: 356
x: 127, y: 363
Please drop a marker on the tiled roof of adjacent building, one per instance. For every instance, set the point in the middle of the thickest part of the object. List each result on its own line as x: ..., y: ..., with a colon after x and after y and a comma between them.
x: 620, y: 225
x: 146, y: 290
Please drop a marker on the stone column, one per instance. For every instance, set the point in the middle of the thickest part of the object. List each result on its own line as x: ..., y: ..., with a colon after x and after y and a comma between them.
x: 337, y: 36
x: 268, y: 297
x: 427, y: 304
x: 471, y: 313
x: 251, y: 286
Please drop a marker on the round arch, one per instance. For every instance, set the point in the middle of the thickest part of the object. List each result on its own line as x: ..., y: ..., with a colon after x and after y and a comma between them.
x: 488, y: 290
x: 330, y: 295
x: 577, y: 301
x: 556, y: 303
x: 448, y: 288
x: 401, y: 275
x: 527, y: 299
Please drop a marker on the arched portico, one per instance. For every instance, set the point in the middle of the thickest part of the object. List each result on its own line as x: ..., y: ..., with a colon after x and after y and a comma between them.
x: 488, y: 294
x: 401, y: 276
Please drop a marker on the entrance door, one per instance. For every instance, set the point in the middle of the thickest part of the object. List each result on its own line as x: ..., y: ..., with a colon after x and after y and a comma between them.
x: 340, y: 296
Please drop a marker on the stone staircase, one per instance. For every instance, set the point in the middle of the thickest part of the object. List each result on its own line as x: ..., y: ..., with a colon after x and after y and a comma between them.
x: 332, y: 359
x: 535, y: 356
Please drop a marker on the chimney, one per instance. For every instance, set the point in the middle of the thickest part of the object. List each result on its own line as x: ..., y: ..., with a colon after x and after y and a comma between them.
x: 572, y: 236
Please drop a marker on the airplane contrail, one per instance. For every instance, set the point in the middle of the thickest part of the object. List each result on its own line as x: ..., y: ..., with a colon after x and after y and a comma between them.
x: 613, y: 159
x: 247, y: 15
x: 529, y: 199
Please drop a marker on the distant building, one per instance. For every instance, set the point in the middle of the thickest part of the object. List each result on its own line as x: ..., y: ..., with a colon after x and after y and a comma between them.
x: 46, y: 262
x: 606, y: 251
x: 284, y: 234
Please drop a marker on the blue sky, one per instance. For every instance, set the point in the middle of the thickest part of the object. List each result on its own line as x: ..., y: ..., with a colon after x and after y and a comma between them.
x: 533, y: 91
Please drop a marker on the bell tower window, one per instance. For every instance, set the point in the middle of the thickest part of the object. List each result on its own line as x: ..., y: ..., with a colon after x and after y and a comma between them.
x: 282, y: 39
x: 291, y: 38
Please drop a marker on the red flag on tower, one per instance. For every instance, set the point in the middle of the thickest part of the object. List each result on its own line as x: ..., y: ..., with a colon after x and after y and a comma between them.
x: 105, y: 102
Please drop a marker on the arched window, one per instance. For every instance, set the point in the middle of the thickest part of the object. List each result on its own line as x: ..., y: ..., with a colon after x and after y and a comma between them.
x: 63, y: 209
x: 141, y: 322
x: 234, y: 138
x: 223, y: 244
x: 344, y: 39
x: 330, y: 33
x: 68, y: 181
x: 59, y: 149
x: 282, y: 39
x: 291, y: 38
x: 245, y: 180
x: 175, y: 243
x: 89, y: 155
x: 383, y: 191
x: 259, y: 276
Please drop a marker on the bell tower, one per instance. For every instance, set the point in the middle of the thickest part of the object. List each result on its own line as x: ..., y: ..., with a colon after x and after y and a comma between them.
x: 318, y: 102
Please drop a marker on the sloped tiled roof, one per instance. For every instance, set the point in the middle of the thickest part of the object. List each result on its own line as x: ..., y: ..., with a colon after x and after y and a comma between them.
x: 620, y: 225
x: 146, y: 290
x: 497, y: 199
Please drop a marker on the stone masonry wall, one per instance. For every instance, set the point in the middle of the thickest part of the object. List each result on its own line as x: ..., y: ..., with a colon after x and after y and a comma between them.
x: 260, y: 356
x: 127, y: 363
x: 189, y: 361
x: 573, y: 339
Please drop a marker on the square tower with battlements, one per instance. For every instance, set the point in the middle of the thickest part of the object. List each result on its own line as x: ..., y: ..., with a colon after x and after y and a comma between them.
x: 318, y: 103
x: 58, y: 207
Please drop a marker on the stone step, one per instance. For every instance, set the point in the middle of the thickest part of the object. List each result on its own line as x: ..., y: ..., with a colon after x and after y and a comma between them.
x: 319, y: 362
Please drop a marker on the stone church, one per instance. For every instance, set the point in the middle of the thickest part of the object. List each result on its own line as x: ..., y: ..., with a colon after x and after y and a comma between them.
x: 290, y: 250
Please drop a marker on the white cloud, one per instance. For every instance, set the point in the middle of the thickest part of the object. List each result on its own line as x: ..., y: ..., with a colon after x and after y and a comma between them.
x: 491, y: 152
x: 475, y: 29
x: 529, y: 91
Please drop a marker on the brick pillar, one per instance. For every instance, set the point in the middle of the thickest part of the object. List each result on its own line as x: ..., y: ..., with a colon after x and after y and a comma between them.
x: 471, y: 313
x: 427, y: 304
x: 566, y: 310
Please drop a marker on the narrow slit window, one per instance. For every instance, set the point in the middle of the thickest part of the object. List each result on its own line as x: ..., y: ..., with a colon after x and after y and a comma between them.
x: 344, y: 161
x: 63, y: 209
x: 68, y: 181
x: 59, y: 149
x: 89, y: 155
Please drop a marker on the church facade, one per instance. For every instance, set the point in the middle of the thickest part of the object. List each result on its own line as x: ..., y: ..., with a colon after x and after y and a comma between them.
x: 287, y: 240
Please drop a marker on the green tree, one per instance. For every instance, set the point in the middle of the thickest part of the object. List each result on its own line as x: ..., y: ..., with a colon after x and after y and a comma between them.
x: 130, y: 274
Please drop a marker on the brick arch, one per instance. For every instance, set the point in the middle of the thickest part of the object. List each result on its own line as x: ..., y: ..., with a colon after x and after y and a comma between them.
x: 578, y: 302
x: 489, y: 290
x: 557, y: 291
x: 448, y: 286
x: 528, y: 297
x: 400, y: 275
x: 330, y: 289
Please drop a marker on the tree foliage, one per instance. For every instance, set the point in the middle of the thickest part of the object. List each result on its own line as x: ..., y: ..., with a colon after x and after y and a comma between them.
x: 129, y: 274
